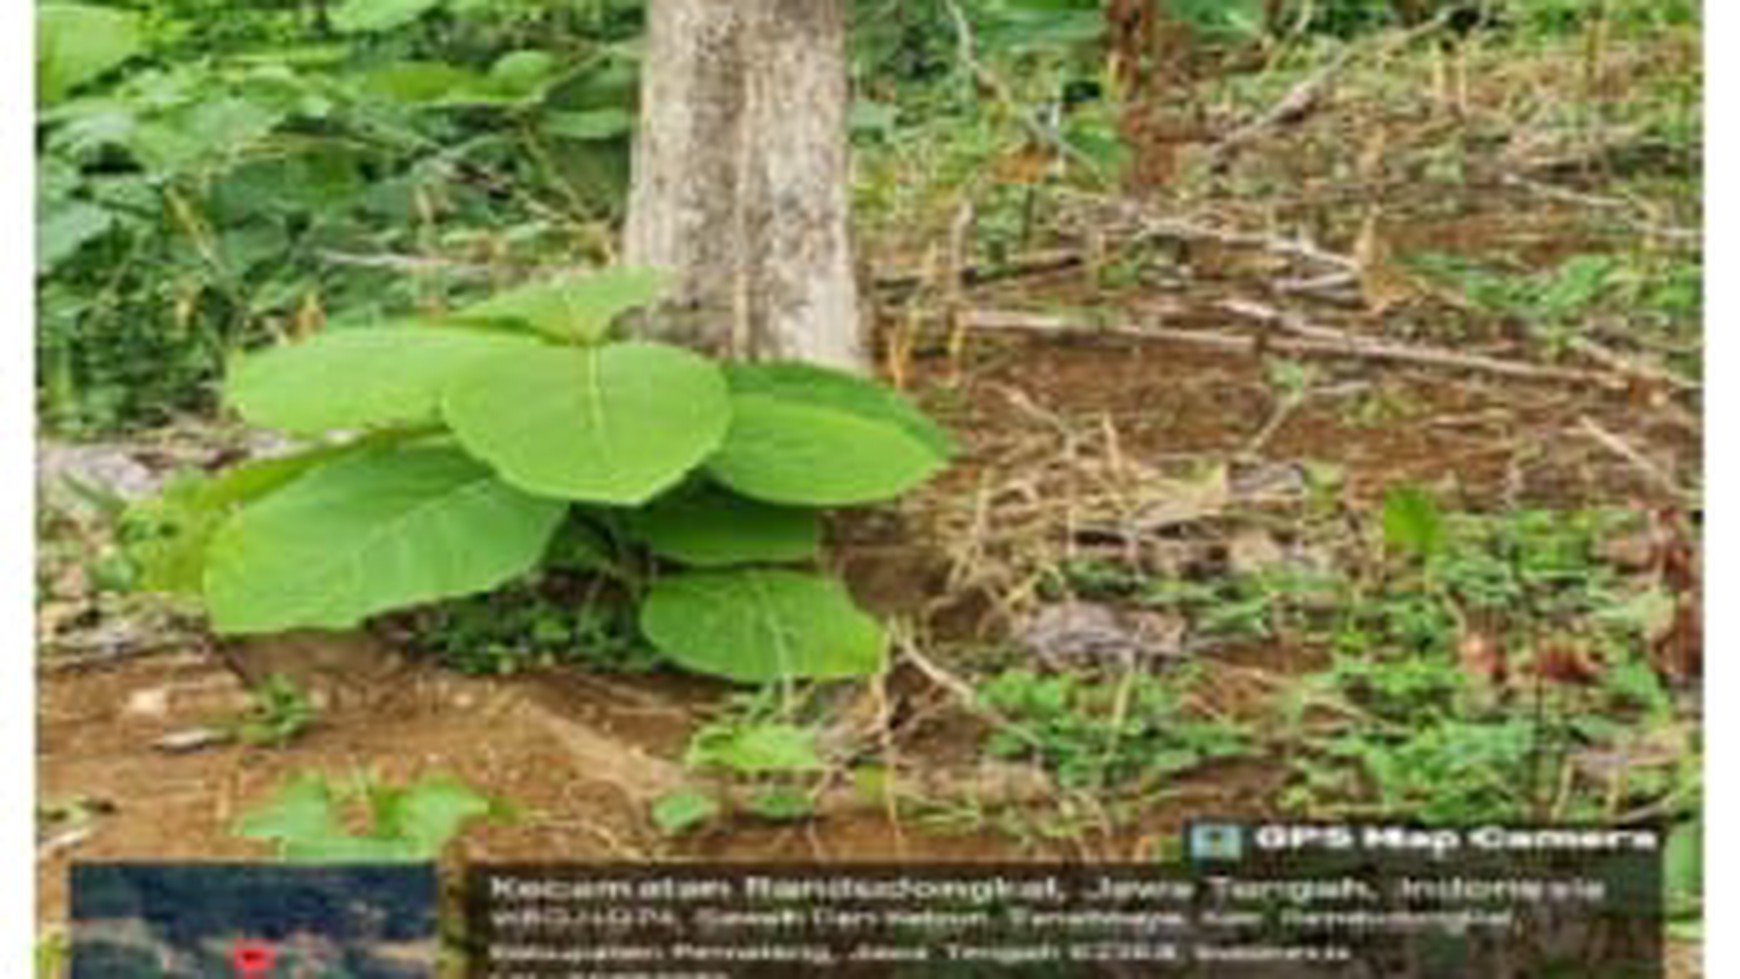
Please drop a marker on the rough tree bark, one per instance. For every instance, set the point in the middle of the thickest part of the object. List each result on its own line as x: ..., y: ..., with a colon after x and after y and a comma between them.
x: 741, y: 178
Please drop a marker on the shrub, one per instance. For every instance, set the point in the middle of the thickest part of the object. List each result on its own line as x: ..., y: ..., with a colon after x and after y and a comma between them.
x: 473, y: 440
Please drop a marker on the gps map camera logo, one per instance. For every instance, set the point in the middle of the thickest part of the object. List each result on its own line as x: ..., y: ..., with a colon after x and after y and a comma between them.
x: 1216, y: 842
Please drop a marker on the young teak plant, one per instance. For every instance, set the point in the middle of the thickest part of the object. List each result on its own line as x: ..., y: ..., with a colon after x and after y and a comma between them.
x: 450, y: 457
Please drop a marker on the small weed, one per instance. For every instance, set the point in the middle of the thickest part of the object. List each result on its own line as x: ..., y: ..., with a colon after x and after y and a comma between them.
x: 773, y: 759
x: 528, y: 627
x: 307, y: 821
x: 1643, y: 292
x: 754, y: 748
x: 1093, y: 578
x: 1424, y: 736
x: 1291, y: 380
x: 1401, y: 722
x: 685, y: 810
x: 1104, y: 734
x: 1447, y: 772
x: 278, y: 712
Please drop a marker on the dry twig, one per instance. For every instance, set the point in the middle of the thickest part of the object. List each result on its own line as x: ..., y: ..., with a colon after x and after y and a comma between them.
x: 1320, y: 341
x: 1642, y: 463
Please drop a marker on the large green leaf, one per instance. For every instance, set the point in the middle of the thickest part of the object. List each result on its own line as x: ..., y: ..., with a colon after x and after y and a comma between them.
x: 353, y: 16
x: 841, y: 391
x: 76, y: 42
x: 763, y: 625
x: 359, y: 378
x: 808, y: 435
x: 384, y: 529
x: 573, y: 307
x: 168, y: 535
x: 612, y: 424
x: 708, y: 526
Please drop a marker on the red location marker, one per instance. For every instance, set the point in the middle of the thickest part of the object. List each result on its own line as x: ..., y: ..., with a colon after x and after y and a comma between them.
x: 252, y: 959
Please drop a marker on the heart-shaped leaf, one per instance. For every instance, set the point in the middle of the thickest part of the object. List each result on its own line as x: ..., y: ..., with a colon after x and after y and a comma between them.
x: 710, y: 527
x: 363, y: 378
x: 812, y: 436
x: 179, y: 522
x: 371, y: 532
x: 613, y: 424
x: 763, y: 625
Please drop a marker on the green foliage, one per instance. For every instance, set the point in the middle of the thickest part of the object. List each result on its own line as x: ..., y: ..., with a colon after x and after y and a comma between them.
x: 708, y: 527
x: 788, y: 422
x: 1107, y: 733
x: 76, y: 43
x: 782, y: 803
x: 383, y: 529
x: 165, y: 537
x: 354, y: 16
x: 544, y: 444
x: 1683, y: 873
x: 612, y: 424
x: 215, y: 176
x: 65, y: 227
x: 1023, y: 24
x: 1397, y: 724
x: 541, y: 623
x: 405, y: 824
x: 683, y: 810
x: 350, y: 379
x: 761, y: 625
x: 278, y: 713
x: 776, y: 762
x: 51, y: 954
x: 1426, y: 739
x: 1413, y: 523
x: 1451, y: 772
x: 1338, y: 18
x: 1555, y: 304
x: 579, y: 308
x: 1552, y: 17
x: 754, y: 749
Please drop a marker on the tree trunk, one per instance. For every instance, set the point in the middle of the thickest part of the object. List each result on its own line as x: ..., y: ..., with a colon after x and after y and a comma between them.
x: 741, y: 178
